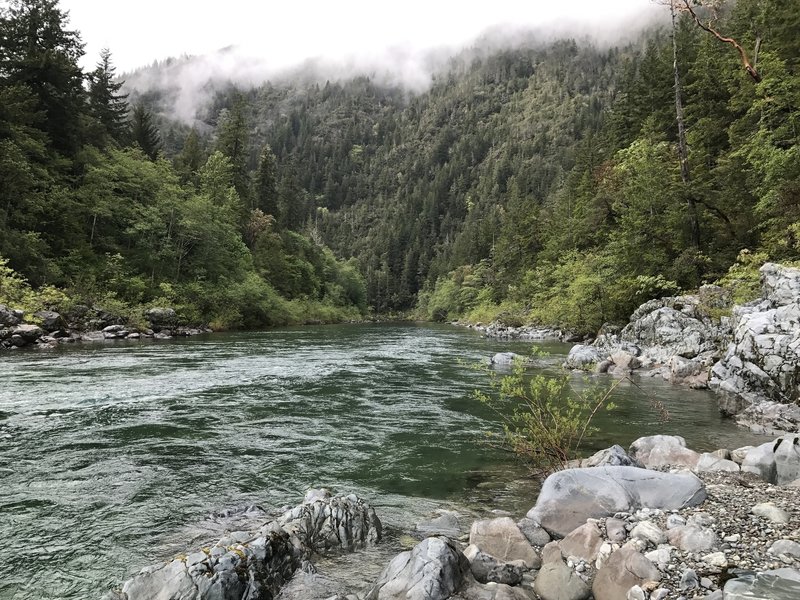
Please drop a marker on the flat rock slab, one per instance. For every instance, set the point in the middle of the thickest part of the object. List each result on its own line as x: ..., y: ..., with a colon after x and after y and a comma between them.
x: 781, y: 584
x: 571, y: 496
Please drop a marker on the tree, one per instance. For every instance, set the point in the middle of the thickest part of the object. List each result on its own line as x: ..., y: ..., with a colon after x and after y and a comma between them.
x: 37, y: 51
x: 265, y: 192
x: 233, y: 142
x: 191, y: 158
x: 709, y: 25
x: 106, y: 103
x: 144, y: 132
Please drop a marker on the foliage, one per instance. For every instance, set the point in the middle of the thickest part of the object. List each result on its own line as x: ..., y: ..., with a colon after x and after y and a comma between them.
x: 743, y: 278
x: 544, y: 421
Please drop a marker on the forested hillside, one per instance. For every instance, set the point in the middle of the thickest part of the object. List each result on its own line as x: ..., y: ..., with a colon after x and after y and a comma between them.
x: 540, y: 182
x: 95, y: 212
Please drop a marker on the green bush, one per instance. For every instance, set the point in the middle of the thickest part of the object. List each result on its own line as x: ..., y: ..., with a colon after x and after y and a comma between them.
x: 544, y: 422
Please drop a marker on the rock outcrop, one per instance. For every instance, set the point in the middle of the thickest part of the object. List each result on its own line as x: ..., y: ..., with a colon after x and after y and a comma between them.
x: 762, y: 361
x: 254, y: 565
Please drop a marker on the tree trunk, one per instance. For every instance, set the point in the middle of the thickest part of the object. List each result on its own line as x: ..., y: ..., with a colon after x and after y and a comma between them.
x: 683, y: 151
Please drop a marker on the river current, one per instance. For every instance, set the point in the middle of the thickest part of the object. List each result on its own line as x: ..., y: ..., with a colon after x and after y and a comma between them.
x: 112, y: 455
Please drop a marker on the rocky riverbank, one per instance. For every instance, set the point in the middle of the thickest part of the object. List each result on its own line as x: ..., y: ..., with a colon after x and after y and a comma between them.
x: 657, y: 522
x: 50, y: 329
x: 749, y: 355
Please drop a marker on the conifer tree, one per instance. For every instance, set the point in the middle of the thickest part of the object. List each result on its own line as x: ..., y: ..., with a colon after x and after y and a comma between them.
x: 144, y: 133
x: 106, y: 103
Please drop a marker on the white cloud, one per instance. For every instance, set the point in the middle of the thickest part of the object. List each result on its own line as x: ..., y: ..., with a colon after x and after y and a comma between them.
x: 281, y: 34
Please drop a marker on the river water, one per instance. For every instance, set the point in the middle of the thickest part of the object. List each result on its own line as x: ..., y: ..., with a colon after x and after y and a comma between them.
x: 112, y: 454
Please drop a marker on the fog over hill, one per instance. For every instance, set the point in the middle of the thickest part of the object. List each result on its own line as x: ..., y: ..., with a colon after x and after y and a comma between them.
x: 184, y: 83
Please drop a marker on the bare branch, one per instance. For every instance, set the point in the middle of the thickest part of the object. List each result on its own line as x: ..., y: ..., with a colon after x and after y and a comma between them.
x: 686, y: 6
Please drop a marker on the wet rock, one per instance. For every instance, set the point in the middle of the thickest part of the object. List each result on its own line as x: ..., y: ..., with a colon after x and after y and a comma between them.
x: 663, y: 450
x: 506, y: 359
x: 571, y: 496
x: 446, y: 524
x: 613, y: 456
x: 779, y: 584
x: 583, y: 357
x: 623, y: 570
x: 433, y: 570
x: 502, y: 539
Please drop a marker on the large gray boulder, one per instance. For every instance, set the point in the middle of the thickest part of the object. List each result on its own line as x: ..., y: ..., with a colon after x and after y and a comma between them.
x: 780, y: 584
x: 50, y: 320
x: 663, y: 450
x: 762, y: 361
x: 613, y: 456
x: 333, y: 523
x: 777, y: 462
x: 433, y: 570
x: 161, y: 317
x: 29, y: 333
x: 571, y: 496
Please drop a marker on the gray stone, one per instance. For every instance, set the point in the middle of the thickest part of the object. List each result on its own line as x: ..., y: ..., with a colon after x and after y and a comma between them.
x: 660, y: 556
x: 674, y: 520
x: 663, y: 450
x: 50, y: 320
x: 506, y: 359
x: 761, y: 461
x: 487, y: 569
x: 583, y: 542
x: 712, y: 462
x: 771, y: 512
x: 624, y: 569
x: 635, y: 593
x: 9, y: 317
x: 556, y: 581
x: 692, y: 538
x: 571, y: 496
x: 533, y: 532
x: 716, y: 559
x: 689, y: 581
x: 433, y: 570
x: 160, y: 317
x: 780, y: 584
x: 446, y: 524
x: 502, y: 539
x: 649, y: 532
x: 613, y: 456
x: 785, y: 547
x: 615, y: 530
x: 29, y: 333
x: 787, y: 459
x: 582, y: 357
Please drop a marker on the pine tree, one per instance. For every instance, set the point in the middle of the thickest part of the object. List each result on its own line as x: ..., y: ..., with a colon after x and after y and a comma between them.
x: 106, y: 103
x: 265, y: 193
x: 37, y: 51
x: 144, y: 133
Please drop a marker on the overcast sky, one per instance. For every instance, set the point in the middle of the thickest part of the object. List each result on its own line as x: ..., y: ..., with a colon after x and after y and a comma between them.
x: 286, y: 32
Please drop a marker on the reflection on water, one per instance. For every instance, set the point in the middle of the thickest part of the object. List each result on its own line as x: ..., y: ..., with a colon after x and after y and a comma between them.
x: 111, y: 451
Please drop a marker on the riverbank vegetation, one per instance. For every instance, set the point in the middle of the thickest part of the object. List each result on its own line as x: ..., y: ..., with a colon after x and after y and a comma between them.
x: 540, y: 182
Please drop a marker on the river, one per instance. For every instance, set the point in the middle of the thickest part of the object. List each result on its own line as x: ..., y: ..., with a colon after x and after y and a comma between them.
x: 114, y: 454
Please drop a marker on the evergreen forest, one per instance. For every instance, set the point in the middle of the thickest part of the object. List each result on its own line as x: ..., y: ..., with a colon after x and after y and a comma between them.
x: 559, y: 183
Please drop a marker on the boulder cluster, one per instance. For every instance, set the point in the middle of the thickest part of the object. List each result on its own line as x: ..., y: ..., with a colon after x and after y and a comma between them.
x: 749, y: 355
x: 49, y: 329
x: 656, y: 522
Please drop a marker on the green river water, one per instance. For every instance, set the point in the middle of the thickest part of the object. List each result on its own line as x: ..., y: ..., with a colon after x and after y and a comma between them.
x: 113, y: 455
